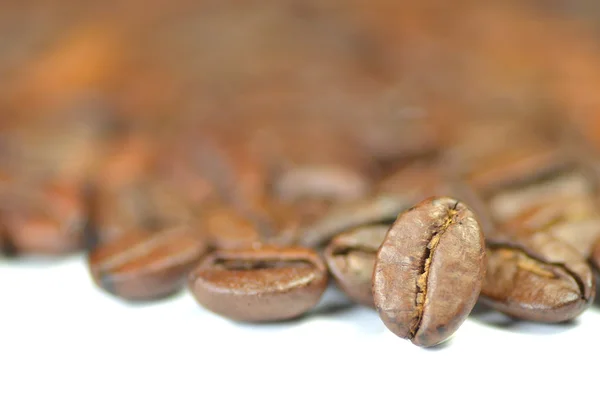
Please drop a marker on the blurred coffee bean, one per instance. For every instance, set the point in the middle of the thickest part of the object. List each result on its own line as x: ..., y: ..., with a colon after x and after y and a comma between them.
x: 142, y: 265
x: 333, y: 183
x: 509, y: 202
x: 346, y: 216
x: 574, y: 220
x: 351, y: 256
x: 226, y: 228
x: 43, y: 217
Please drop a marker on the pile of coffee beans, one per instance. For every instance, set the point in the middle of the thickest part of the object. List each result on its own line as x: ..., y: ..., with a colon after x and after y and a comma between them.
x: 254, y: 154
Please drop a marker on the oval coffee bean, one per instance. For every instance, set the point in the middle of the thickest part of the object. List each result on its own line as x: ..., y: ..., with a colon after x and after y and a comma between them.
x: 541, y: 279
x: 429, y: 271
x: 260, y: 284
x: 351, y: 258
x: 574, y: 220
x: 226, y: 228
x: 47, y: 219
x: 322, y: 182
x: 143, y: 265
x: 346, y: 216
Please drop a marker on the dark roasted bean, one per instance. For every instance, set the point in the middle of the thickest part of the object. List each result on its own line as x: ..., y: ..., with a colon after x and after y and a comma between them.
x: 429, y: 271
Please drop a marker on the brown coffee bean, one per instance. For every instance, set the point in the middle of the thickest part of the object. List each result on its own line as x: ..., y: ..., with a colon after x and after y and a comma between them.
x: 510, y: 202
x: 539, y: 279
x: 260, y: 284
x: 553, y: 211
x: 225, y: 228
x: 321, y: 182
x: 343, y: 217
x: 594, y: 257
x: 415, y: 181
x: 45, y: 219
x: 515, y: 165
x: 143, y: 265
x: 574, y: 220
x: 143, y: 204
x: 429, y: 271
x: 351, y: 258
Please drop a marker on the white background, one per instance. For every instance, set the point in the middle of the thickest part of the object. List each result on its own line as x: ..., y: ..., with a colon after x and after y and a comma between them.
x: 61, y: 336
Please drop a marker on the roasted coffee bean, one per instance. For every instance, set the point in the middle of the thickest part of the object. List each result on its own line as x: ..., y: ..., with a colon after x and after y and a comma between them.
x: 574, y: 220
x: 510, y: 202
x: 594, y: 257
x: 343, y: 217
x: 429, y: 271
x: 144, y: 204
x: 45, y: 219
x: 351, y: 258
x: 415, y: 181
x: 333, y: 183
x: 516, y: 165
x: 143, y: 265
x: 539, y: 279
x: 260, y: 284
x: 224, y: 227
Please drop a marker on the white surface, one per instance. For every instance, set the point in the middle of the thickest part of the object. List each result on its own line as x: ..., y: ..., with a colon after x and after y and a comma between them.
x: 60, y: 336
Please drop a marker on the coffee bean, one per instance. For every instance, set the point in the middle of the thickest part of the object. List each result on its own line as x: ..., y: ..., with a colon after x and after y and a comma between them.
x: 143, y: 265
x: 324, y: 182
x: 46, y: 219
x: 574, y: 220
x: 260, y: 284
x: 224, y: 227
x: 516, y: 165
x: 351, y: 258
x: 146, y: 204
x: 429, y: 271
x: 594, y: 257
x: 343, y: 217
x: 539, y: 279
x: 508, y: 203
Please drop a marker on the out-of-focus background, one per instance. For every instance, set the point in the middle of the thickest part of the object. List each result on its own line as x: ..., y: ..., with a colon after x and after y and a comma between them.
x: 102, y: 95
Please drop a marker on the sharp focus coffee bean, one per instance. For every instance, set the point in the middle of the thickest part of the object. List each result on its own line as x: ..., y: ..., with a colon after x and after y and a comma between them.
x: 541, y: 279
x: 429, y: 271
x: 143, y: 265
x: 351, y: 258
x: 260, y: 284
